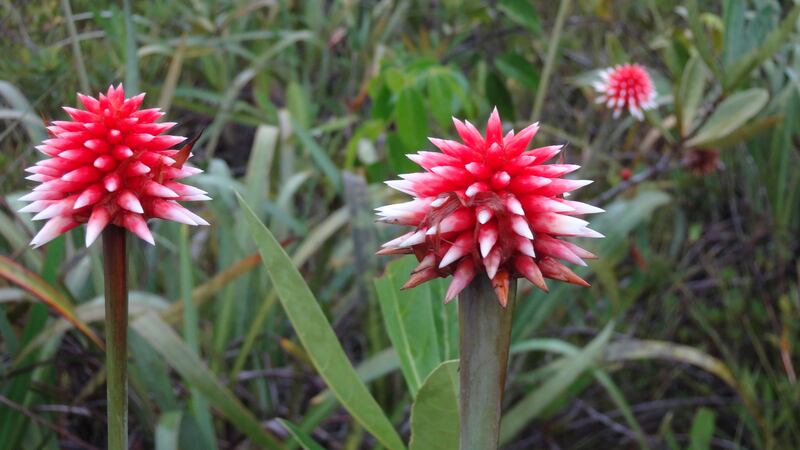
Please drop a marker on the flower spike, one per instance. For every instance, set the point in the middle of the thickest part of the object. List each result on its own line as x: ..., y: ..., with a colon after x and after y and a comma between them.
x: 628, y: 87
x: 111, y: 164
x: 487, y: 207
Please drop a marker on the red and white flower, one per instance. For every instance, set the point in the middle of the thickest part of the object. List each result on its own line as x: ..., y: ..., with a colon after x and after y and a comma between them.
x: 487, y: 207
x: 110, y: 164
x: 628, y: 87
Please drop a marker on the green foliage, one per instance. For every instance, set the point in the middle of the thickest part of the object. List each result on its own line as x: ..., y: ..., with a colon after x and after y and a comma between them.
x: 434, y: 414
x: 698, y: 271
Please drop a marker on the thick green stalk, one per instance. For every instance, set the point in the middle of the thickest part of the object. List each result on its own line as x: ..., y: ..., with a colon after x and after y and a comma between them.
x: 115, y: 268
x: 485, y: 334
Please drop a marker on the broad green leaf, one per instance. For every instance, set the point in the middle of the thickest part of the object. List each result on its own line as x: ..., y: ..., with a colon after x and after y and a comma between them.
x: 411, y: 118
x: 44, y: 291
x: 702, y: 430
x: 317, y: 336
x: 690, y: 93
x: 746, y: 131
x: 533, y: 404
x: 731, y: 114
x: 302, y: 438
x: 513, y: 65
x: 498, y: 95
x: 739, y: 70
x: 434, y: 414
x: 408, y: 316
x: 168, y: 429
x: 440, y: 100
x: 522, y: 12
x: 177, y: 354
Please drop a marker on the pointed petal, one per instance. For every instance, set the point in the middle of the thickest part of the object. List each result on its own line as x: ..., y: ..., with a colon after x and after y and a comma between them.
x: 461, y: 247
x: 136, y: 224
x: 487, y: 237
x: 500, y: 283
x: 461, y: 278
x: 97, y: 222
x: 557, y: 271
x: 527, y: 267
x: 52, y: 229
x: 127, y: 200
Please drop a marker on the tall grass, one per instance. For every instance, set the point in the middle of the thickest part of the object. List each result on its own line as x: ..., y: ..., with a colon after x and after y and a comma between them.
x: 307, y: 107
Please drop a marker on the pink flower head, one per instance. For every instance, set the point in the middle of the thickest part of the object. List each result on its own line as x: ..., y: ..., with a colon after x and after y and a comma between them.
x: 626, y: 87
x: 487, y: 206
x: 110, y: 165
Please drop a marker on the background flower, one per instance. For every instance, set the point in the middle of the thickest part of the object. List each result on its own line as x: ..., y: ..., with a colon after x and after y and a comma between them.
x: 627, y: 86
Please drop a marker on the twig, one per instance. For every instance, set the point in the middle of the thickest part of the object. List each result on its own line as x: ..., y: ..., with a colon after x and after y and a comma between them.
x: 38, y: 419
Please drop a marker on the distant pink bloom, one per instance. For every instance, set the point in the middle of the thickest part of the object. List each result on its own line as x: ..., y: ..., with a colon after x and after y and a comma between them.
x: 626, y: 87
x: 489, y: 207
x: 110, y: 164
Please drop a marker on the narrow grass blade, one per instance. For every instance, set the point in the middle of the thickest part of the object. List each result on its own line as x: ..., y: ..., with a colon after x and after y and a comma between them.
x: 168, y: 429
x: 166, y: 342
x: 36, y: 286
x: 301, y: 437
x: 317, y: 336
x: 131, y: 57
x: 534, y: 403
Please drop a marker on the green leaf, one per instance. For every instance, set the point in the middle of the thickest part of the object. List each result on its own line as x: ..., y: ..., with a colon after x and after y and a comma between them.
x: 498, y: 95
x: 408, y: 316
x: 434, y: 414
x: 167, y: 430
x: 701, y: 39
x: 297, y: 103
x: 690, y: 93
x: 739, y: 70
x: 317, y: 336
x: 177, y: 354
x: 746, y: 131
x: 411, y: 118
x: 522, y: 12
x: 532, y: 405
x: 731, y: 114
x: 735, y: 39
x: 702, y: 430
x: 440, y: 99
x: 625, y: 214
x: 513, y: 65
x: 300, y: 436
x: 259, y: 165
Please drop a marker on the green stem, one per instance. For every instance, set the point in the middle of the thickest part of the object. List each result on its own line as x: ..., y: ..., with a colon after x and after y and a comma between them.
x: 485, y: 334
x: 550, y: 59
x: 115, y: 268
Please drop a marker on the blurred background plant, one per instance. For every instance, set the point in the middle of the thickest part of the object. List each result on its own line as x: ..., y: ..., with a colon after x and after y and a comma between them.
x: 687, y: 339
